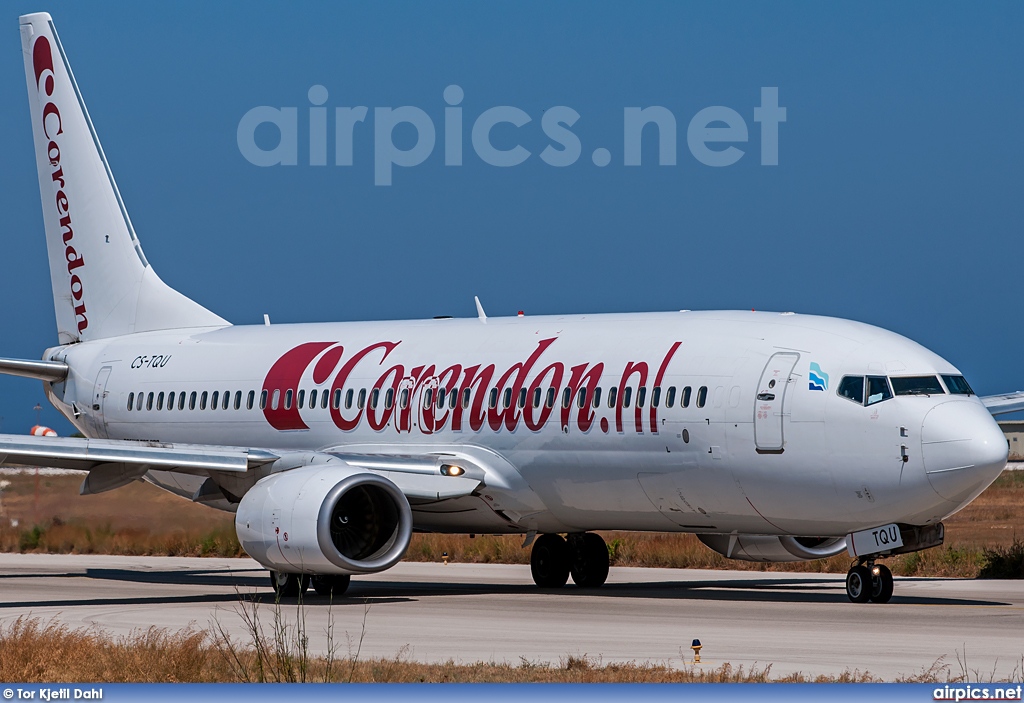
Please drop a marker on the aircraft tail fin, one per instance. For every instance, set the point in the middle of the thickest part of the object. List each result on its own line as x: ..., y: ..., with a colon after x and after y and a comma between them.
x: 103, y: 286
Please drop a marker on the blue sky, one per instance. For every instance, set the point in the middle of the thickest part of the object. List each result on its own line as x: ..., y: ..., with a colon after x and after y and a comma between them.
x: 896, y: 201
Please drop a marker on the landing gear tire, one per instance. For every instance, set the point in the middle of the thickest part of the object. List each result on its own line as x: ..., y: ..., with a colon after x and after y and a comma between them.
x: 881, y: 585
x: 288, y: 585
x: 858, y: 584
x: 330, y: 585
x: 589, y: 568
x: 549, y: 561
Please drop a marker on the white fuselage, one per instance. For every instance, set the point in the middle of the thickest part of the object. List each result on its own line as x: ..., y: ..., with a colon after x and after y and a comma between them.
x: 765, y: 448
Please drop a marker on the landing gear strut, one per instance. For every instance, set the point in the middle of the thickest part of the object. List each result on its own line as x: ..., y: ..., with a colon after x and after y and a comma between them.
x: 869, y: 581
x: 288, y: 585
x: 584, y: 556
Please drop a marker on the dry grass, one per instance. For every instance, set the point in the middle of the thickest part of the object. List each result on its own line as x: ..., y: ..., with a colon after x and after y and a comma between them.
x: 140, y: 519
x: 33, y: 651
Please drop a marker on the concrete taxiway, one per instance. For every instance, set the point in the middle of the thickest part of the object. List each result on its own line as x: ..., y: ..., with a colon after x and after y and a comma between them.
x: 470, y: 613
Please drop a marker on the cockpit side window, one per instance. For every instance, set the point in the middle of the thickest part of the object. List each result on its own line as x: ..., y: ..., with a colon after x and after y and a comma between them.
x: 852, y: 387
x: 878, y: 389
x: 957, y: 385
x: 916, y: 385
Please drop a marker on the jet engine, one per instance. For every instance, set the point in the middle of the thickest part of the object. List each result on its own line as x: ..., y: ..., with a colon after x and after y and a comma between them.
x: 774, y: 548
x: 324, y: 519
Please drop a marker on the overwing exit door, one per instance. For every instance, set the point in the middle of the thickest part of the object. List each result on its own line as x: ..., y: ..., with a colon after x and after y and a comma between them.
x: 770, y: 404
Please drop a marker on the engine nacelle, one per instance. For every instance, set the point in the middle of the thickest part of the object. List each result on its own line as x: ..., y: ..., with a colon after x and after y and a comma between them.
x: 774, y: 548
x: 324, y: 519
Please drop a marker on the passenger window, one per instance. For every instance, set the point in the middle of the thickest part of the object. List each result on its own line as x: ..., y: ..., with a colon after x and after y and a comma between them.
x: 374, y: 397
x: 581, y: 398
x: 312, y: 398
x: 508, y: 397
x: 566, y: 397
x: 361, y: 399
x: 149, y: 401
x: 181, y: 400
x: 440, y: 398
x: 263, y: 400
x: 453, y: 398
x: 289, y: 395
x: 684, y: 402
x: 325, y: 398
x: 302, y: 400
x: 238, y: 400
x: 522, y: 397
x: 428, y: 397
x: 160, y: 401
x: 612, y: 393
x: 878, y: 389
x: 670, y: 397
x: 702, y: 396
x: 492, y: 402
x: 139, y: 399
x: 627, y: 396
x: 251, y: 400
x: 403, y: 399
x: 957, y: 385
x: 656, y: 396
x: 131, y: 401
x: 204, y: 397
x: 597, y: 396
x: 641, y: 396
x: 536, y: 397
x: 852, y: 387
x: 349, y: 396
x: 192, y: 400
x: 389, y: 398
x: 550, y: 400
x: 226, y: 399
x: 215, y: 400
x: 170, y: 400
x: 467, y: 393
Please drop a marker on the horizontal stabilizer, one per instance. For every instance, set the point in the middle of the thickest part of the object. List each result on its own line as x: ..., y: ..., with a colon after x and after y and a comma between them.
x: 52, y: 371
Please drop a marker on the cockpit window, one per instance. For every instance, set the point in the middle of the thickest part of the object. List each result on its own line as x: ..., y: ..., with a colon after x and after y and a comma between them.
x: 852, y: 387
x: 878, y: 389
x: 957, y: 385
x: 916, y: 385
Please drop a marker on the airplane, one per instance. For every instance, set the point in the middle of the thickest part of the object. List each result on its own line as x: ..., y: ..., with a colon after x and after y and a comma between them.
x: 771, y: 436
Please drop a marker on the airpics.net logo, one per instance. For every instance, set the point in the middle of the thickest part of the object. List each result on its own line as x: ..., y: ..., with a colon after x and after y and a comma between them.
x: 716, y: 136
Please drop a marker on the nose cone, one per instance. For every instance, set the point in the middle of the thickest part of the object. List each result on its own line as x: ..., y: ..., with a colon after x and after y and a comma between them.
x: 963, y: 449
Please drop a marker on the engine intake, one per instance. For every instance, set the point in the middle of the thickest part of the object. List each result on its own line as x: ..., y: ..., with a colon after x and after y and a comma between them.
x: 328, y: 518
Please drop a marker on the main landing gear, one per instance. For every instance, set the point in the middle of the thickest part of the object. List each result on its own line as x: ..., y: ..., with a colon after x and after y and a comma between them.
x: 584, y: 556
x: 868, y: 581
x: 294, y: 585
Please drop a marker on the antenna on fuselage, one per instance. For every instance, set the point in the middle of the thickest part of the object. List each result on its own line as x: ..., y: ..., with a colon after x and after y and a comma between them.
x: 481, y: 315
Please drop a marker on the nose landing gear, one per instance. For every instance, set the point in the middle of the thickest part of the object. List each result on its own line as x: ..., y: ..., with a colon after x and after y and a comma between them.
x: 869, y: 581
x: 584, y: 556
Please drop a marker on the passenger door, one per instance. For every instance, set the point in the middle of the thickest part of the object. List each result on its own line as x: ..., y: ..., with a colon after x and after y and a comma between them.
x: 770, y: 403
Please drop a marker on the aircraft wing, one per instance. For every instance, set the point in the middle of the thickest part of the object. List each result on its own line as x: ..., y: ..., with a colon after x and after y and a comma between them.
x: 113, y: 463
x: 1004, y: 403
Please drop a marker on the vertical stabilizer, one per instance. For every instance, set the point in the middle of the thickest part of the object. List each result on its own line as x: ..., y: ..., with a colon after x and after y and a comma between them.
x: 102, y: 284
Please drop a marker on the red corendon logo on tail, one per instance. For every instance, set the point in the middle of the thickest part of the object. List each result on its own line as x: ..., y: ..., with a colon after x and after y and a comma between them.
x: 410, y: 396
x: 42, y: 63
